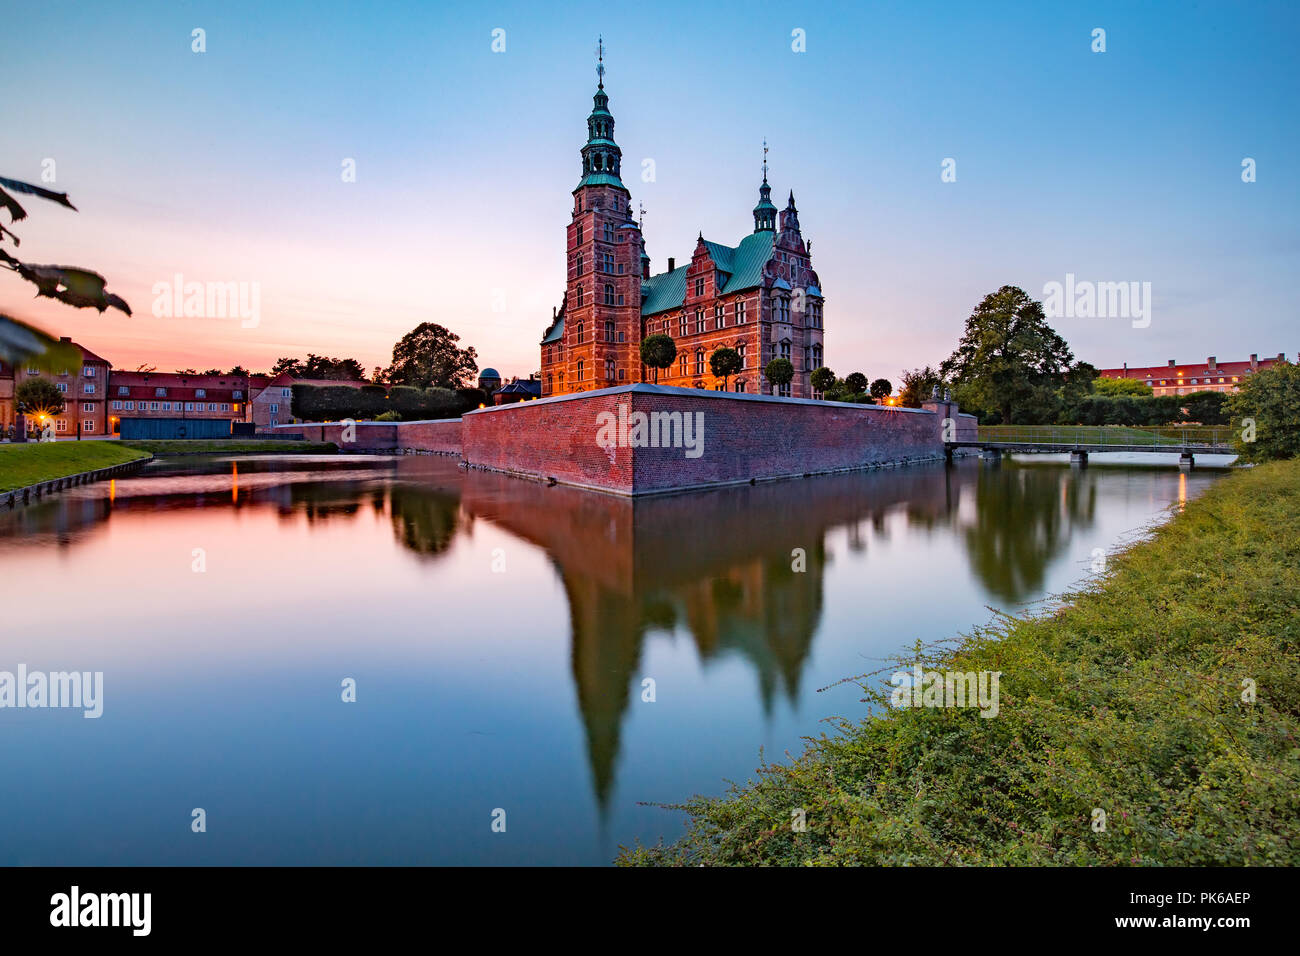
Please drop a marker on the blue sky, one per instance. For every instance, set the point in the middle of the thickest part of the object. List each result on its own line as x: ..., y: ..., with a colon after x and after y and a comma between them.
x: 225, y: 166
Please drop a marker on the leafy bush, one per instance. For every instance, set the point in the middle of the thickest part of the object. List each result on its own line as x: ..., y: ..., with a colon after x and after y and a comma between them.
x: 1266, y: 410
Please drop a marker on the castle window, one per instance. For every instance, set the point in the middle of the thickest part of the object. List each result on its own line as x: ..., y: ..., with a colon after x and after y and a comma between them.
x: 699, y: 320
x: 609, y: 232
x: 579, y: 234
x: 578, y: 295
x: 699, y: 361
x: 682, y: 329
x: 740, y: 350
x: 609, y: 369
x: 620, y: 268
x: 740, y: 385
x: 607, y: 262
x: 699, y: 286
x: 785, y: 348
x: 682, y: 365
x: 579, y: 264
x: 579, y: 370
x: 719, y: 317
x: 609, y: 294
x: 609, y: 331
x: 817, y: 356
x: 620, y: 300
x: 550, y: 382
x: 740, y: 311
x: 578, y: 334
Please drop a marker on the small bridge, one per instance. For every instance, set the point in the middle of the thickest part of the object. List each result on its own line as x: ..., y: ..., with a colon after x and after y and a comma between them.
x: 1080, y: 440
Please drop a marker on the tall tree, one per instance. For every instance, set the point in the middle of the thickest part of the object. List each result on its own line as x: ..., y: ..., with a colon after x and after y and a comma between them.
x: 290, y: 365
x: 39, y: 396
x: 881, y: 388
x: 658, y: 351
x: 428, y: 356
x: 822, y: 379
x: 855, y: 382
x: 1009, y: 359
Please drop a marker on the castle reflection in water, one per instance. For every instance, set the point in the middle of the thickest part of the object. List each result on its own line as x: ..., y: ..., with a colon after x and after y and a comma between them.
x: 717, y: 565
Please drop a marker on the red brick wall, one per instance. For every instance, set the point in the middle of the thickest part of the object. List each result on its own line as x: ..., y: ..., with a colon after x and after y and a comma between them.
x: 743, y: 438
x: 437, y: 436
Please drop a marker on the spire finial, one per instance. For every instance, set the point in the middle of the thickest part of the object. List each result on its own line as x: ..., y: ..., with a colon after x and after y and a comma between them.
x: 600, y: 62
x: 641, y: 222
x: 764, y: 159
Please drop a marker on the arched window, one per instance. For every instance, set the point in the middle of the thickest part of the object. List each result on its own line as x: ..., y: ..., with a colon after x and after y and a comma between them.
x: 609, y: 330
x: 550, y: 383
x: 577, y: 332
x: 699, y: 362
x: 578, y: 296
x: 682, y: 366
x: 817, y: 356
x: 579, y: 370
x: 609, y: 293
x: 740, y: 350
x: 579, y: 262
x: 609, y: 369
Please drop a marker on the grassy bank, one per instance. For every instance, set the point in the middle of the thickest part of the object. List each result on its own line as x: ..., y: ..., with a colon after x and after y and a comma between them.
x: 228, y: 446
x: 34, y: 462
x: 1126, y: 698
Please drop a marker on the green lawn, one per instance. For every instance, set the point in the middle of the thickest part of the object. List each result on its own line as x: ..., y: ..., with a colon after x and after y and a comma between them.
x: 232, y: 446
x: 1131, y: 698
x: 34, y: 462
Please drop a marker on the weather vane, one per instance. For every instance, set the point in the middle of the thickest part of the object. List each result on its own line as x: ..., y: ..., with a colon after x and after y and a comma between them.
x: 641, y: 222
x: 764, y: 159
x: 600, y: 61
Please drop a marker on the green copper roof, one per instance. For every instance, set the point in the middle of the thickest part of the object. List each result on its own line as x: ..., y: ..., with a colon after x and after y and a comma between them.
x: 555, y: 333
x: 664, y: 291
x: 600, y: 179
x: 742, y: 266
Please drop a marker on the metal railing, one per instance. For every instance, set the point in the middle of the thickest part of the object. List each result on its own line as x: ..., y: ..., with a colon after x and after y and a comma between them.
x: 1085, y: 436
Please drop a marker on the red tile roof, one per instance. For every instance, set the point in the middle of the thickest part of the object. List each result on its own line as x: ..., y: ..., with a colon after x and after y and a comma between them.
x: 1188, y: 370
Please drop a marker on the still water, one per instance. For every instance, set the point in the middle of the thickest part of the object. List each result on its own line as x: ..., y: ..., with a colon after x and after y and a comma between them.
x: 498, y: 632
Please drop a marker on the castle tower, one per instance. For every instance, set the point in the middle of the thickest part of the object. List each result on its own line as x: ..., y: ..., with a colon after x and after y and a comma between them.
x: 765, y: 211
x: 602, y: 313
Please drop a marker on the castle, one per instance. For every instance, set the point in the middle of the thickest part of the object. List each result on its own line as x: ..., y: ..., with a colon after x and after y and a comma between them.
x: 760, y: 297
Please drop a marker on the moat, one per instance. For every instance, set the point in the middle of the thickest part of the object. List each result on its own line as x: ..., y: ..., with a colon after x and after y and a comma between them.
x: 499, y: 633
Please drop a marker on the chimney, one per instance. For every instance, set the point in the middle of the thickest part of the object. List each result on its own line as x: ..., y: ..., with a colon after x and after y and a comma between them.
x: 1171, y: 363
x: 1212, y: 362
x: 65, y: 338
x: 672, y: 263
x: 1254, y: 361
x: 1281, y: 356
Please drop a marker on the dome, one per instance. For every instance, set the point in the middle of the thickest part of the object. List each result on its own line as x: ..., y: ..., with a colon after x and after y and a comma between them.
x: 489, y: 373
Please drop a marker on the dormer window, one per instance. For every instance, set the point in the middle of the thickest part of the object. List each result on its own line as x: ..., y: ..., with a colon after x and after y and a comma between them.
x: 699, y: 286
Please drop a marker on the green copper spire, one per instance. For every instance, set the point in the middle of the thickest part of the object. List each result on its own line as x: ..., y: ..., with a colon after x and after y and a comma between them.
x: 601, y: 157
x: 765, y: 211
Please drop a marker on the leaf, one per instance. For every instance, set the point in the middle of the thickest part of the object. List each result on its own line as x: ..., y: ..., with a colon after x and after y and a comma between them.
x: 23, y: 344
x: 21, y: 187
x: 16, y: 212
x: 69, y: 284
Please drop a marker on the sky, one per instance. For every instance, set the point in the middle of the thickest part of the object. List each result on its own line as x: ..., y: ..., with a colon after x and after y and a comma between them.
x: 228, y: 165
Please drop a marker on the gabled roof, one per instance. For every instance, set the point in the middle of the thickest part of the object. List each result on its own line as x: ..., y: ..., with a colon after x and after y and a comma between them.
x: 555, y: 333
x: 742, y: 267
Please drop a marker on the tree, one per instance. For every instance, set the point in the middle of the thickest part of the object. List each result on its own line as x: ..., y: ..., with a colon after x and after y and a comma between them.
x: 341, y: 370
x: 855, y: 382
x: 1207, y: 408
x: 239, y: 372
x: 186, y: 371
x: 725, y: 362
x: 919, y: 385
x: 779, y: 372
x: 1009, y: 361
x: 823, y: 380
x: 289, y: 365
x: 1266, y: 413
x: 23, y: 344
x: 39, y: 396
x: 658, y: 351
x: 881, y: 388
x: 428, y: 356
x: 1121, y: 386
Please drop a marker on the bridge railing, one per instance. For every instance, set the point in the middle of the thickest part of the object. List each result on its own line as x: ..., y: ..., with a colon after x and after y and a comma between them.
x: 1084, y: 436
